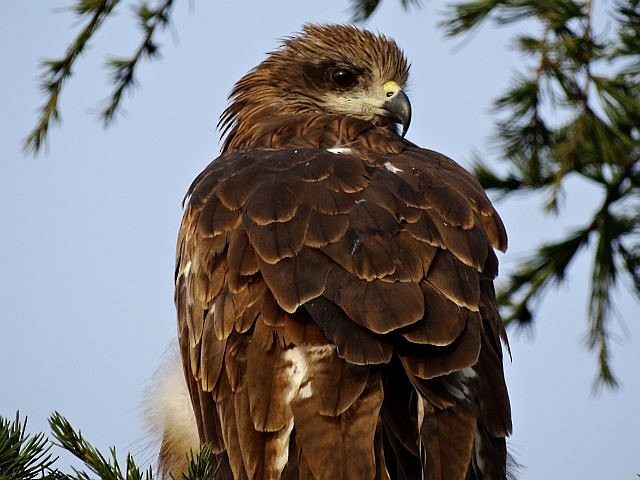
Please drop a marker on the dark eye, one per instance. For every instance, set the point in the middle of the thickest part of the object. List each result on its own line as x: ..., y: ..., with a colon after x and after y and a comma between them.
x: 344, y: 78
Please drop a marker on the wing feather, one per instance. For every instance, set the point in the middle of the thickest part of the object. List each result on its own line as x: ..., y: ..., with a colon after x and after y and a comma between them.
x: 294, y: 281
x: 426, y: 361
x: 310, y: 285
x: 277, y: 240
x: 455, y: 280
x: 340, y: 447
x: 444, y: 321
x: 354, y: 343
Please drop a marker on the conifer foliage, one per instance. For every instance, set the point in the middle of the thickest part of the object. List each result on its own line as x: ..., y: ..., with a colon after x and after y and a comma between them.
x: 26, y: 456
x: 592, y: 79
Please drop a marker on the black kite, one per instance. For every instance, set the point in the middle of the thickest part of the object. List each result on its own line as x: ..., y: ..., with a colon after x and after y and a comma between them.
x: 334, y: 282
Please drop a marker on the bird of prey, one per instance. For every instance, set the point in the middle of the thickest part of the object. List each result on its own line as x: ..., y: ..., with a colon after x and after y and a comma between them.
x: 334, y: 282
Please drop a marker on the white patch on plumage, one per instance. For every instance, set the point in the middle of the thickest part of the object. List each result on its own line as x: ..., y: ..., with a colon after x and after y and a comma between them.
x: 465, y: 375
x: 305, y: 391
x: 392, y: 168
x: 187, y: 268
x: 185, y: 271
x: 468, y: 372
x: 301, y: 359
x: 339, y: 150
x: 281, y: 444
x: 320, y: 352
x: 420, y: 403
x: 297, y: 371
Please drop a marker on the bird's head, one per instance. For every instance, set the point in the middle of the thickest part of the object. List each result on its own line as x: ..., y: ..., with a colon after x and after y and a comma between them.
x: 327, y: 69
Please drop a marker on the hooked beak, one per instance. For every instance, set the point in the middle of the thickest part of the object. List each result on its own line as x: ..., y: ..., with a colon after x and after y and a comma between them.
x: 398, y: 106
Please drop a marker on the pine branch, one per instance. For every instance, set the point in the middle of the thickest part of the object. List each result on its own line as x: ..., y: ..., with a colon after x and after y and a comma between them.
x: 200, y: 466
x: 547, y: 266
x: 57, y: 71
x: 105, y: 468
x: 108, y: 468
x: 550, y: 263
x: 23, y: 456
x: 600, y: 142
x: 466, y: 16
x: 611, y: 232
x: 489, y: 179
x: 631, y: 259
x: 123, y: 69
x: 628, y: 15
x: 603, y: 279
x: 28, y: 457
x: 361, y: 10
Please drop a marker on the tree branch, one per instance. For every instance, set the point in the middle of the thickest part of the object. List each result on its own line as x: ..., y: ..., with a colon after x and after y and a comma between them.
x: 58, y: 70
x: 123, y: 69
x: 361, y: 10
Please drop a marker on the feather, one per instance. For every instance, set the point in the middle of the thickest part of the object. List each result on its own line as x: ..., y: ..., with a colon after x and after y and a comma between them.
x: 234, y: 192
x: 448, y: 436
x: 269, y: 380
x: 272, y: 200
x: 455, y: 281
x: 412, y: 259
x: 296, y: 280
x: 240, y: 258
x: 354, y: 343
x: 278, y: 240
x: 299, y: 329
x: 211, y: 357
x: 340, y: 447
x: 443, y: 321
x: 427, y: 362
x: 376, y: 305
x: 336, y: 384
x: 215, y: 218
x: 231, y: 432
x: 324, y: 228
x: 366, y: 256
x: 324, y: 200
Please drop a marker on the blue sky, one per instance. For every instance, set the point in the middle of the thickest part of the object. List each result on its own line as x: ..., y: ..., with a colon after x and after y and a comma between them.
x: 88, y: 229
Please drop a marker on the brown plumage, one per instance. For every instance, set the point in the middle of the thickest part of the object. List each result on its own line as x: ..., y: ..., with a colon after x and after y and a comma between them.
x: 334, y: 282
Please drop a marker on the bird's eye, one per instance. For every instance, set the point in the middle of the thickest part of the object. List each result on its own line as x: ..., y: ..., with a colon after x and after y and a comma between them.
x: 343, y: 77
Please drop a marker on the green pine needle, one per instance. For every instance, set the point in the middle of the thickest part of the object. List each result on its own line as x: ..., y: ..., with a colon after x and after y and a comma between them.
x: 24, y: 456
x: 122, y: 70
x: 55, y: 72
x: 29, y: 457
x: 361, y: 10
x: 106, y: 468
x: 599, y: 141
